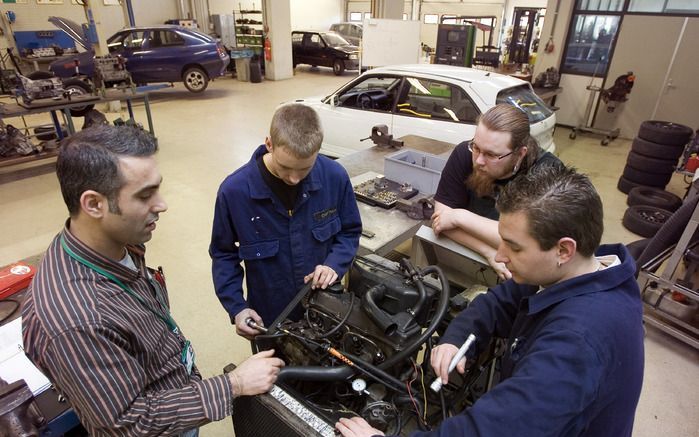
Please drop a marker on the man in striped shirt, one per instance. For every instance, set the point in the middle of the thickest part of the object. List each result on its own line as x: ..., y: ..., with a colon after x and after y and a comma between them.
x: 97, y: 320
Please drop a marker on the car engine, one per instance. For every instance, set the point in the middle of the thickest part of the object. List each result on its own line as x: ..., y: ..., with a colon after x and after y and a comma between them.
x: 365, y: 350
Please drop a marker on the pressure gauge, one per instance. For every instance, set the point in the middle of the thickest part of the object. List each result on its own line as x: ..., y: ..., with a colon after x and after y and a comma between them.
x: 359, y: 385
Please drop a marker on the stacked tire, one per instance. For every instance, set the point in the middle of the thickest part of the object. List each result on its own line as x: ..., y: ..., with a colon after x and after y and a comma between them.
x: 649, y: 208
x: 654, y: 154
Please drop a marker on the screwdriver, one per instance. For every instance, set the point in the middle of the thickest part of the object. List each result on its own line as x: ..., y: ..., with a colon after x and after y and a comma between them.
x: 253, y: 324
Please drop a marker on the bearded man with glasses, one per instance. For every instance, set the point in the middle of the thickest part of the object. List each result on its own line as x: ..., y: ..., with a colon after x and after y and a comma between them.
x: 502, y: 147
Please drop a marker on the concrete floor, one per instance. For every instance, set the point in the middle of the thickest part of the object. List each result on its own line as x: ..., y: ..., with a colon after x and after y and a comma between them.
x: 205, y: 137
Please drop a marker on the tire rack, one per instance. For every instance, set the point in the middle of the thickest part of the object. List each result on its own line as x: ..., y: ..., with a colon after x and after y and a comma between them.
x: 653, y: 315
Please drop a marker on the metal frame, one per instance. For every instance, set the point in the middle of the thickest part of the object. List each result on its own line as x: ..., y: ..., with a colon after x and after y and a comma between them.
x: 655, y: 316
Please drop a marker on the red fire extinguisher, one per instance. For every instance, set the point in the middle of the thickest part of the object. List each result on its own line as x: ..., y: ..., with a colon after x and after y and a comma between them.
x: 268, y: 49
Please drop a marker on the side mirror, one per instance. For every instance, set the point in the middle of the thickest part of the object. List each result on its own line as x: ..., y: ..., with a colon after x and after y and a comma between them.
x: 334, y: 100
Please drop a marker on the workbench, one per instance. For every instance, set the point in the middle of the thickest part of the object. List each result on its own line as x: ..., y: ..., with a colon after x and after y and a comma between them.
x: 390, y: 227
x: 63, y: 106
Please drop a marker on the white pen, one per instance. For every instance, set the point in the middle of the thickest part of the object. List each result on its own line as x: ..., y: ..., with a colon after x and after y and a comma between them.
x: 436, y: 385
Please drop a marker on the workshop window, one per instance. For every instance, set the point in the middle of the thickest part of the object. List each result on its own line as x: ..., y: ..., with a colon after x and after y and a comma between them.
x: 355, y: 16
x: 590, y: 42
x: 430, y: 19
x: 664, y: 6
x: 432, y: 100
x: 600, y: 5
x: 449, y: 19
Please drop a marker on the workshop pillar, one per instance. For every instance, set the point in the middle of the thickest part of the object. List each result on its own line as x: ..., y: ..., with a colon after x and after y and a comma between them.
x: 392, y: 9
x: 277, y: 42
x: 94, y: 11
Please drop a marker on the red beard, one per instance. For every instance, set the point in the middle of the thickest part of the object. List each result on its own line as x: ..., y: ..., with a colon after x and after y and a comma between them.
x: 480, y: 183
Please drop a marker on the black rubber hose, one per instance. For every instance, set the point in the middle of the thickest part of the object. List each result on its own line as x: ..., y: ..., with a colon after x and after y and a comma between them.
x: 342, y: 322
x: 379, y: 316
x: 442, y: 307
x: 417, y: 280
x: 315, y: 373
x: 378, y: 374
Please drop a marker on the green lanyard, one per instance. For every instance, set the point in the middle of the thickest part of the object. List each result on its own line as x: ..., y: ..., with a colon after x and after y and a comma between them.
x: 169, y: 321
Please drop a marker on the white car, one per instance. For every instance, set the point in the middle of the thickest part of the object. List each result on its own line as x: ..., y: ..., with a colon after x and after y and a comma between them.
x: 440, y: 102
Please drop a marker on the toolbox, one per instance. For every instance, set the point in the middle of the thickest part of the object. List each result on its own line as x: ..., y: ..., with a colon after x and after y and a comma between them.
x: 15, y: 277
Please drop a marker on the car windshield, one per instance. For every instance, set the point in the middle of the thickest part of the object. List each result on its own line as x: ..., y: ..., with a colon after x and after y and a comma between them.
x: 334, y: 40
x: 523, y: 98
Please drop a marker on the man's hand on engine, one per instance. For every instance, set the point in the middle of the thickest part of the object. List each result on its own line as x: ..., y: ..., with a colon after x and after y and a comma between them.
x: 356, y: 427
x: 441, y: 357
x: 242, y: 328
x: 256, y: 374
x: 322, y: 276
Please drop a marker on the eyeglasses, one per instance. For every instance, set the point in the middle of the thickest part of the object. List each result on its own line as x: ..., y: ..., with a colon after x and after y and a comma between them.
x: 488, y: 156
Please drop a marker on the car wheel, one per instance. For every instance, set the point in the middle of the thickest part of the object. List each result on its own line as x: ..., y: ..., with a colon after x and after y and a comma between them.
x: 338, y: 67
x: 624, y: 185
x: 651, y: 165
x: 78, y: 87
x: 645, y: 220
x: 653, y: 197
x: 655, y: 150
x: 664, y: 132
x: 195, y: 79
x: 645, y: 178
x: 38, y: 75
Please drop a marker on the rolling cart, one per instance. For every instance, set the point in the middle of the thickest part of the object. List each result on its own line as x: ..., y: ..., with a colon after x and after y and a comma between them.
x: 617, y: 93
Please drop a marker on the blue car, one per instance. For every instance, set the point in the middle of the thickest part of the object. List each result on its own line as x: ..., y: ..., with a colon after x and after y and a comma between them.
x: 162, y: 53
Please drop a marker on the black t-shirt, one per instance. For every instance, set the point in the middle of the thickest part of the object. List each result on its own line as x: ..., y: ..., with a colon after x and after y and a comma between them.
x: 453, y: 192
x: 285, y: 193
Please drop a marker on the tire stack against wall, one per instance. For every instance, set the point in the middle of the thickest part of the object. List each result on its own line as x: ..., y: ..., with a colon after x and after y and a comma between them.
x: 654, y: 154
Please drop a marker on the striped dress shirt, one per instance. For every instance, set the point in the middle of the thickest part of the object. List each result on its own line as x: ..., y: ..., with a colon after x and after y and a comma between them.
x: 115, y: 361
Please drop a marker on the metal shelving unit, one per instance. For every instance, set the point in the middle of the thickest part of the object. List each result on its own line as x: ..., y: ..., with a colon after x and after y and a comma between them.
x: 249, y: 29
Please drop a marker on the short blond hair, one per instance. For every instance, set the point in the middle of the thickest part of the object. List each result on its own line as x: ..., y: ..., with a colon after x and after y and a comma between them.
x: 297, y: 128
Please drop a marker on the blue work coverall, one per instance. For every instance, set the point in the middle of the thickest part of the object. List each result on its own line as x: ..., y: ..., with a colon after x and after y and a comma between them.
x: 573, y: 365
x: 277, y: 247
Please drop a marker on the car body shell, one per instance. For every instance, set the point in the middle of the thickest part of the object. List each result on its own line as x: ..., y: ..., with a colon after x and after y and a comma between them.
x: 152, y: 61
x: 322, y: 48
x: 345, y: 123
x: 352, y: 32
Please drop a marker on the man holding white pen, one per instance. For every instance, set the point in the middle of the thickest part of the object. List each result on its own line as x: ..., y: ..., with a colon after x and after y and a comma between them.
x: 572, y: 316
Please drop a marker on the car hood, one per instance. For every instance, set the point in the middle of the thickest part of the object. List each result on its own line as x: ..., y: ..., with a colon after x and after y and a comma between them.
x: 314, y: 100
x: 347, y: 49
x: 73, y: 29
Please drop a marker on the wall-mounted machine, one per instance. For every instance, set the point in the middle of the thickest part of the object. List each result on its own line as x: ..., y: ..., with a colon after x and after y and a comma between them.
x: 455, y: 44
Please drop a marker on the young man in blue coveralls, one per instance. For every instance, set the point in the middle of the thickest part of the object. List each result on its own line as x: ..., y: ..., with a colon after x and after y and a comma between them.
x: 571, y: 314
x: 288, y: 216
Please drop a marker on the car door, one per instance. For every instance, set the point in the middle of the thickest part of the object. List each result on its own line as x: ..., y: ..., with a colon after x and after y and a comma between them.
x: 315, y: 50
x: 360, y: 105
x: 130, y: 45
x: 435, y: 109
x: 165, y: 54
